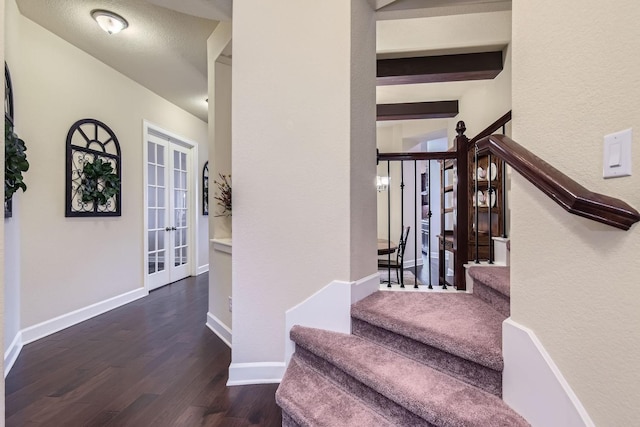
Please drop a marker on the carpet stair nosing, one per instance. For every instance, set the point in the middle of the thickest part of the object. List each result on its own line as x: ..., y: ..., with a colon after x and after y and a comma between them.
x: 320, y: 412
x: 475, y: 374
x: 448, y: 402
x: 492, y: 285
x: 487, y: 320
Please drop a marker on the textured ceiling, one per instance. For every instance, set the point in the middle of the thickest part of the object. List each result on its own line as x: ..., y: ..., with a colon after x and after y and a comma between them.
x: 163, y: 50
x: 165, y: 46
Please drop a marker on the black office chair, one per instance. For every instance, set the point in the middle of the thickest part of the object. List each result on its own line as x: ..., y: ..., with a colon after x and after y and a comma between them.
x: 397, y: 264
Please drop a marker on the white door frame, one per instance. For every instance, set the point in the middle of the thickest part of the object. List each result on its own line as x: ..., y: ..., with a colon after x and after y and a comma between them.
x: 149, y: 128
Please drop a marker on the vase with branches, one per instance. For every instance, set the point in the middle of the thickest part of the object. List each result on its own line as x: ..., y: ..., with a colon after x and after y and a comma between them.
x: 223, y: 194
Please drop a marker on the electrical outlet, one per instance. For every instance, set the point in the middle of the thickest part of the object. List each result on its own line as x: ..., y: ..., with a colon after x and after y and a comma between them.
x: 230, y: 305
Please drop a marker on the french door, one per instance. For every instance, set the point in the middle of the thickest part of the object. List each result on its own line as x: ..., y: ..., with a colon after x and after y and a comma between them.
x: 169, y: 246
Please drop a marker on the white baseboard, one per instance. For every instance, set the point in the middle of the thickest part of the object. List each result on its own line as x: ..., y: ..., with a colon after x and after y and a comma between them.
x: 220, y: 329
x: 48, y: 327
x: 202, y: 269
x: 533, y: 385
x: 11, y: 354
x: 412, y: 263
x: 363, y: 288
x: 255, y: 373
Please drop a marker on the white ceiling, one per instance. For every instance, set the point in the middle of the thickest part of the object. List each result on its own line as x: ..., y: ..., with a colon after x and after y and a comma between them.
x: 163, y: 50
x: 165, y: 46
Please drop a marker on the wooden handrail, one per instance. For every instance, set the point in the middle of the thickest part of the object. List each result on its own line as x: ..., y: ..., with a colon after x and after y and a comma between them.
x: 433, y: 155
x: 492, y: 128
x: 572, y: 196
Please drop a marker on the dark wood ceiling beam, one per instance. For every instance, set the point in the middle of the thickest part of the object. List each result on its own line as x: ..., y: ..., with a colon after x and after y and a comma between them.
x: 417, y: 110
x: 436, y: 69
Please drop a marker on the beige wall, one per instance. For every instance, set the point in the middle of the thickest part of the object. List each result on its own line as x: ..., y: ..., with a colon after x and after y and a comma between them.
x: 484, y: 103
x: 70, y: 263
x: 12, y: 225
x: 574, y: 281
x: 220, y: 161
x: 2, y: 247
x: 444, y: 33
x: 303, y: 160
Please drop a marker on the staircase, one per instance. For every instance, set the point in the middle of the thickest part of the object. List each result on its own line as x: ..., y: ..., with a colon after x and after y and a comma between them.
x: 413, y: 359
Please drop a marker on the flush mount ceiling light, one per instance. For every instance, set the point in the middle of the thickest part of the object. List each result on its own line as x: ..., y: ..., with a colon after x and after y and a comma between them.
x: 110, y: 22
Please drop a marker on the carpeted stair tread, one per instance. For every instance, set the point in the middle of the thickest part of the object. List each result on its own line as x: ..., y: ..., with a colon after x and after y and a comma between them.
x: 462, y: 369
x: 309, y: 399
x: 456, y: 323
x: 495, y: 277
x: 436, y: 397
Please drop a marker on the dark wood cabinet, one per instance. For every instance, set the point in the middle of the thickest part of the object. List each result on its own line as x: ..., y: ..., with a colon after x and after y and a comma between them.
x: 486, y: 212
x: 486, y: 206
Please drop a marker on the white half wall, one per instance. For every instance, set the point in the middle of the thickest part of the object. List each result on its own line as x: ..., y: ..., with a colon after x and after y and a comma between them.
x: 303, y: 130
x: 329, y: 309
x: 533, y: 385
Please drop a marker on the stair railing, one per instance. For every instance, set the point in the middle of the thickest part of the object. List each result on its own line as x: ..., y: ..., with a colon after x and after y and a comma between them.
x: 414, y: 157
x: 570, y: 195
x: 491, y: 192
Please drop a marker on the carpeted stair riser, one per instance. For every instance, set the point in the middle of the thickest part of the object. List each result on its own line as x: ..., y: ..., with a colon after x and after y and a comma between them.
x: 287, y: 421
x: 434, y: 396
x: 309, y: 399
x: 459, y: 324
x: 395, y: 413
x: 492, y: 285
x: 465, y: 370
x: 498, y: 301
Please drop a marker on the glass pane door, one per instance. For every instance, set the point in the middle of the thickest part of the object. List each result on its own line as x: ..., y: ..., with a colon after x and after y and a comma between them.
x: 168, y: 209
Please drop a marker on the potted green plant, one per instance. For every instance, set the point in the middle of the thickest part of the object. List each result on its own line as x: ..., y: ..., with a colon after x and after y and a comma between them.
x: 15, y: 161
x: 99, y: 182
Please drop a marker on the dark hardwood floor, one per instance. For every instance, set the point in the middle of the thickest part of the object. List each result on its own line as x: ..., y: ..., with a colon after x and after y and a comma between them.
x: 150, y: 363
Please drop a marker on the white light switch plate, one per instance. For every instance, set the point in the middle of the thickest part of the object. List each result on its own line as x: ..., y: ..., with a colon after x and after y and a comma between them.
x: 616, y: 161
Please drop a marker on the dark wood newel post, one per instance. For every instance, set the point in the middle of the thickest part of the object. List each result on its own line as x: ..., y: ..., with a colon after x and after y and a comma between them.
x: 461, y: 196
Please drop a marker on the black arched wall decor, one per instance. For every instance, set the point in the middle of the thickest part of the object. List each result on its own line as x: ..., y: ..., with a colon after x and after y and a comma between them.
x: 8, y: 120
x: 88, y: 141
x: 205, y: 189
x: 8, y: 95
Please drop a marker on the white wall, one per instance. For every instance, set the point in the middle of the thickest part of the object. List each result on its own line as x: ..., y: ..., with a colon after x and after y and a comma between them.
x: 483, y: 104
x: 70, y: 263
x: 396, y: 137
x: 220, y: 277
x: 439, y: 144
x: 303, y: 160
x: 12, y: 273
x: 2, y: 247
x: 444, y: 33
x: 575, y: 67
x: 12, y: 225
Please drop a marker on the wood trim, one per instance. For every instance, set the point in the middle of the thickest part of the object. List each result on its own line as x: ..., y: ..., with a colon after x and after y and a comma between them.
x: 436, y: 69
x: 417, y: 110
x: 572, y: 196
x: 461, y: 197
x: 434, y: 155
x: 492, y: 128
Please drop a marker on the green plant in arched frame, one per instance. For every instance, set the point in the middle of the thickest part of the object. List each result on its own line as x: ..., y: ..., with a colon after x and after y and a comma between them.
x: 99, y: 182
x: 15, y: 162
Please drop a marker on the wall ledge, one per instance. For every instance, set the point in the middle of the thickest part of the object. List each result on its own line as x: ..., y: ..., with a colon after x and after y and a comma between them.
x: 220, y: 329
x: 222, y: 245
